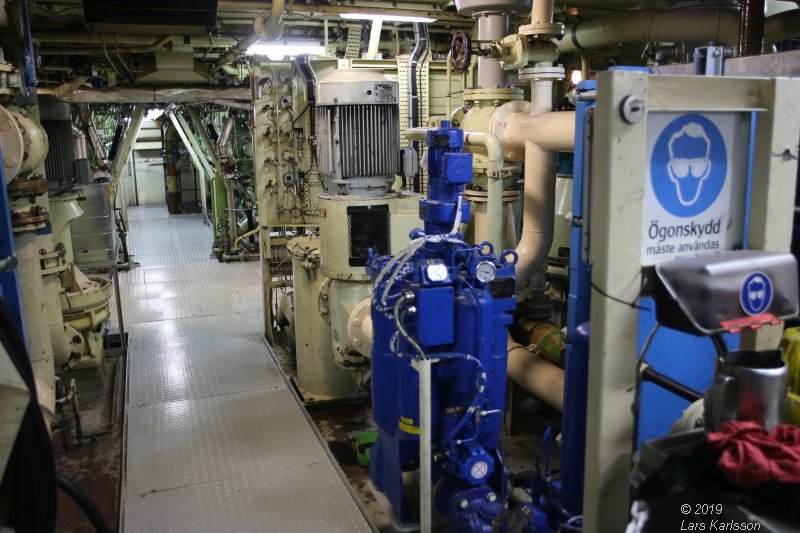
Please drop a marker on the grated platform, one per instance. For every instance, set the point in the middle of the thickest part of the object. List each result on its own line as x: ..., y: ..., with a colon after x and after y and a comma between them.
x: 215, y: 440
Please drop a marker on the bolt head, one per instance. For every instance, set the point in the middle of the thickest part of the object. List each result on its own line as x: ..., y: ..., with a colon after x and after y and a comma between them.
x: 491, y: 497
x: 463, y: 504
x: 632, y: 109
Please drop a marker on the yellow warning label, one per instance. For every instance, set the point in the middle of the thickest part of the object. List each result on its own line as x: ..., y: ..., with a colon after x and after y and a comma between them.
x: 408, y: 428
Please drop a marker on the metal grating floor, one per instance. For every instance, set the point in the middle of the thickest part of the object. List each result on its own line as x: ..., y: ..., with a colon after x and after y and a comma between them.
x: 214, y: 438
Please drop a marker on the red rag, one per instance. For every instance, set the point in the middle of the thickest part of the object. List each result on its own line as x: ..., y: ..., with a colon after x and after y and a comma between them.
x: 750, y: 456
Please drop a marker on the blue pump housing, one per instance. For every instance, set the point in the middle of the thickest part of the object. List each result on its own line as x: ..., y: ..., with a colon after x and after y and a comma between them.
x: 451, y: 302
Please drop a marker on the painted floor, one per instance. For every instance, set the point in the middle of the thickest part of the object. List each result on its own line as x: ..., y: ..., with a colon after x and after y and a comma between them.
x: 214, y: 438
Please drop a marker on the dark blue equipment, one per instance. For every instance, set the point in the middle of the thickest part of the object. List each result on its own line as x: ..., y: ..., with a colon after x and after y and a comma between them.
x: 451, y: 302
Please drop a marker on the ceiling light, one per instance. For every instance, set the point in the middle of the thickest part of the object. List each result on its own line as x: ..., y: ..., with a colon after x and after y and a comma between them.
x: 576, y: 77
x: 154, y: 113
x: 385, y: 18
x: 279, y: 50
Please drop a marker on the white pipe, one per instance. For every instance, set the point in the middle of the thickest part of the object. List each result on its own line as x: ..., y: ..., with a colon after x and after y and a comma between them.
x: 425, y: 455
x: 539, y: 377
x: 549, y: 131
x: 538, y: 210
x: 374, y: 38
x: 494, y: 151
x: 720, y: 26
x: 491, y: 27
x: 80, y: 142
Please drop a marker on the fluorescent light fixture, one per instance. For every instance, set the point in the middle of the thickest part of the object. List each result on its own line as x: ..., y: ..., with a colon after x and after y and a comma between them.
x: 385, y: 18
x: 278, y: 50
x: 154, y: 113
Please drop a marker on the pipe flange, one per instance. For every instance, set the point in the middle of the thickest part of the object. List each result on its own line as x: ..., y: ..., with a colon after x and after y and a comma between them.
x: 542, y: 73
x: 33, y: 185
x: 555, y: 29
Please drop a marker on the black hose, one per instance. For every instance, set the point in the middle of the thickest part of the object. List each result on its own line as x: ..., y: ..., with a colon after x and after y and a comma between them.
x: 719, y: 344
x: 87, y: 506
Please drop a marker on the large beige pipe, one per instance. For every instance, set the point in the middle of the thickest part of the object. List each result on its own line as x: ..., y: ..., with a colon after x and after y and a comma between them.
x: 537, y: 376
x: 720, y: 26
x: 494, y: 151
x: 549, y: 131
x: 538, y: 210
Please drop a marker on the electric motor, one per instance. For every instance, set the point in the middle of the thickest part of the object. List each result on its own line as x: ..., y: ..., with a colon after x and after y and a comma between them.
x: 358, y: 132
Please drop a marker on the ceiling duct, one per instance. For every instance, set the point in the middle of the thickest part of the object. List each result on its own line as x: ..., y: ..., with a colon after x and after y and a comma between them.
x: 154, y: 17
x: 174, y: 66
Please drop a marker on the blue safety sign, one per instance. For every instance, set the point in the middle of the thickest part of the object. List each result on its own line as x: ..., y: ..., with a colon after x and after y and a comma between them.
x: 688, y: 165
x: 756, y: 293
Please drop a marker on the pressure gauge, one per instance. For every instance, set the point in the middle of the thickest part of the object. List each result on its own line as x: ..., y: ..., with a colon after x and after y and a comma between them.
x: 485, y: 271
x: 436, y: 272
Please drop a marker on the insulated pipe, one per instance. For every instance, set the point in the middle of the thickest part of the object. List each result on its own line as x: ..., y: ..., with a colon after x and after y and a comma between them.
x: 751, y: 27
x: 782, y: 26
x: 549, y: 131
x: 94, y: 137
x: 65, y: 88
x: 80, y: 142
x: 234, y: 104
x: 266, y: 29
x: 491, y: 27
x: 720, y: 26
x: 173, y: 202
x: 222, y: 150
x: 537, y: 376
x: 538, y: 210
x: 494, y: 151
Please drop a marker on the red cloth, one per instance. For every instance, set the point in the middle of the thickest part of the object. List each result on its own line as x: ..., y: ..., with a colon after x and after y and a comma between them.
x: 749, y: 455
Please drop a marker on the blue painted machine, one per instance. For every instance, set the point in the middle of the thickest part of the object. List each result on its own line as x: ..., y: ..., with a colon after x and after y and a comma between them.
x: 451, y: 303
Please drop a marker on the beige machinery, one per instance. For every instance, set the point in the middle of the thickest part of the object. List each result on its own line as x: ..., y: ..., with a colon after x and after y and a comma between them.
x: 77, y: 306
x: 25, y: 146
x: 358, y: 153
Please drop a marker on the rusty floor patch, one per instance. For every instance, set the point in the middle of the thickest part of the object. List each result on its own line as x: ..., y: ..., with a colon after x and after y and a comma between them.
x: 94, y: 463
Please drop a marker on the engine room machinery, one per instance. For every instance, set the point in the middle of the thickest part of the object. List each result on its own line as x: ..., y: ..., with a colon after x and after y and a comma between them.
x: 441, y: 310
x: 358, y: 156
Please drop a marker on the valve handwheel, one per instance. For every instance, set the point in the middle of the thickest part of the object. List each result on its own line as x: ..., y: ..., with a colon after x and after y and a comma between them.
x: 460, y: 52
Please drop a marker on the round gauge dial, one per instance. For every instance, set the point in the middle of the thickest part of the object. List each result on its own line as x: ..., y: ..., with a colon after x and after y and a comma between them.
x: 437, y: 272
x: 485, y: 271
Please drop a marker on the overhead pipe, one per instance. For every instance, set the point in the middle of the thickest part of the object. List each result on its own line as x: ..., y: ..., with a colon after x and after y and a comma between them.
x: 267, y: 27
x: 717, y: 25
x: 234, y: 104
x: 536, y: 375
x: 151, y: 95
x: 65, y: 88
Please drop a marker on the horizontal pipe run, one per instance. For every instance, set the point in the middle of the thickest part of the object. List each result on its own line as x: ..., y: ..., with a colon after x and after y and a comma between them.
x: 717, y: 25
x: 554, y: 131
x: 537, y: 376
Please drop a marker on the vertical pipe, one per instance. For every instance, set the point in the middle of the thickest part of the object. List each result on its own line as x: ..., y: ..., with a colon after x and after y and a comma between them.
x: 573, y: 436
x: 34, y: 311
x: 751, y: 27
x: 542, y: 12
x: 491, y: 27
x: 420, y: 47
x: 425, y: 456
x: 374, y: 38
x: 447, y: 97
x: 29, y: 59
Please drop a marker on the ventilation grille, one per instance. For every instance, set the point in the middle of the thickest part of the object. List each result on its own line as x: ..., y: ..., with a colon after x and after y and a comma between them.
x: 368, y: 226
x: 369, y: 140
x: 61, y: 152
